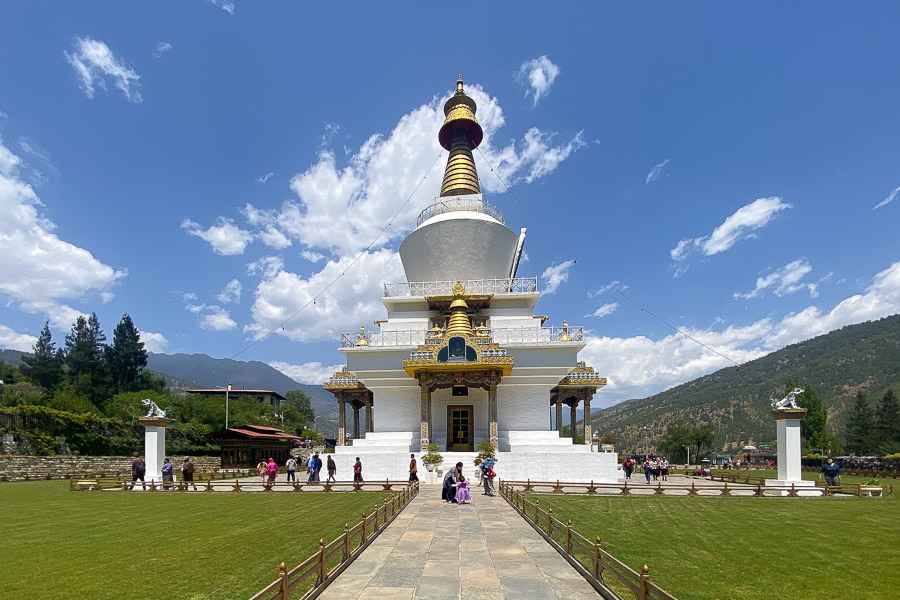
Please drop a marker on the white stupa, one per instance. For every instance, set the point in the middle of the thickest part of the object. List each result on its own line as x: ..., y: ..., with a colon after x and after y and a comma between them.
x: 461, y: 357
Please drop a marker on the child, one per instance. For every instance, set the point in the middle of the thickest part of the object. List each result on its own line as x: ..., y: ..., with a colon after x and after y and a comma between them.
x: 462, y: 490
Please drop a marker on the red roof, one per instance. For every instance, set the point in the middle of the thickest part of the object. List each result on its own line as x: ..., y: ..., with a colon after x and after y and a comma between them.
x: 256, y: 432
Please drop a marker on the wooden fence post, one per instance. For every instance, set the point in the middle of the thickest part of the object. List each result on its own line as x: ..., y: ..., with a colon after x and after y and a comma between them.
x: 282, y: 575
x: 550, y: 523
x: 363, y: 530
x: 321, y: 578
x: 537, y: 505
x: 725, y: 491
x: 645, y: 577
x: 597, y: 558
x: 209, y: 485
x: 569, y: 538
x: 237, y: 485
x: 346, y: 542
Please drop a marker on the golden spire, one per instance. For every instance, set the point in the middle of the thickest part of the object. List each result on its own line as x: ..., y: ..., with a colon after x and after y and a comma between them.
x: 459, y: 321
x: 460, y: 134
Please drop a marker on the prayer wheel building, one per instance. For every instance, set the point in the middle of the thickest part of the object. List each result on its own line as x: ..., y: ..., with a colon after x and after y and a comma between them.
x: 461, y: 357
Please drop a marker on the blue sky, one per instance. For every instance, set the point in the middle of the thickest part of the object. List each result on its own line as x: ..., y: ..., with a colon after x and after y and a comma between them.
x: 210, y: 167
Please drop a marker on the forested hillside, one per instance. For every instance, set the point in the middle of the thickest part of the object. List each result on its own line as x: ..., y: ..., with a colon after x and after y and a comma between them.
x: 857, y: 358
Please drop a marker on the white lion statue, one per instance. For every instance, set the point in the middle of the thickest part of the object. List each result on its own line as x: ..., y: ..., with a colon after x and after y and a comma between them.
x: 789, y: 401
x: 153, y: 411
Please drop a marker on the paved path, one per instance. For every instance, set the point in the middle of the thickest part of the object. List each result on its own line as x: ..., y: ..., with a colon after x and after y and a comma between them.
x: 435, y: 550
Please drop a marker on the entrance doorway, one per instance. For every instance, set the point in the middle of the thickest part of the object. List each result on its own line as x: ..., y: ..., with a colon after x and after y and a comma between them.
x: 460, y: 428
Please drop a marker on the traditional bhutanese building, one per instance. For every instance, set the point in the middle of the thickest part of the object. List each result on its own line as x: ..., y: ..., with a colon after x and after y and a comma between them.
x: 461, y: 357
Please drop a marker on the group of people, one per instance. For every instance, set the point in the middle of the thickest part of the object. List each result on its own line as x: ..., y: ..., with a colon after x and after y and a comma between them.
x: 655, y: 467
x: 268, y: 470
x: 139, y: 471
x: 455, y: 489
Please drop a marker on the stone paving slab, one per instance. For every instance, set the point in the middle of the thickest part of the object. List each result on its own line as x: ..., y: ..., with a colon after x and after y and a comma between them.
x: 478, y: 551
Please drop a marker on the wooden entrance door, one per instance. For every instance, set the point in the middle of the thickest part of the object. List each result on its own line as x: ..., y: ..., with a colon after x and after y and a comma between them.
x: 460, y: 437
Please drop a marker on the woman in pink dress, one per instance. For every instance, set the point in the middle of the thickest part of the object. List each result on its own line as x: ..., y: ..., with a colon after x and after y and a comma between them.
x: 272, y: 470
x: 462, y: 490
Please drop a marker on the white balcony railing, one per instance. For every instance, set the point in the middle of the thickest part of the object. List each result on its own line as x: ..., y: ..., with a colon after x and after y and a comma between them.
x: 503, y: 336
x: 416, y: 289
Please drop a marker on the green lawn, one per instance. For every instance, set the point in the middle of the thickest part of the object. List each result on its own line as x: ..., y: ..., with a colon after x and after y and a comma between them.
x: 62, y: 544
x: 747, y: 548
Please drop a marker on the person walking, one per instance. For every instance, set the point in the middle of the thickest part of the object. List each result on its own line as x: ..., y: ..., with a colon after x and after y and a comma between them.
x: 664, y: 468
x: 628, y: 466
x: 261, y: 470
x: 187, y: 473
x: 138, y: 469
x: 462, y: 490
x: 357, y: 472
x: 448, y: 494
x: 332, y: 469
x: 313, y: 468
x: 271, y: 470
x: 487, y: 476
x: 648, y: 468
x: 832, y: 472
x: 291, y: 467
x: 168, y: 474
x: 413, y: 469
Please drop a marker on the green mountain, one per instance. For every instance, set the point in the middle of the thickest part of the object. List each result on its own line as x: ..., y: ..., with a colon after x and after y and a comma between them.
x: 863, y: 357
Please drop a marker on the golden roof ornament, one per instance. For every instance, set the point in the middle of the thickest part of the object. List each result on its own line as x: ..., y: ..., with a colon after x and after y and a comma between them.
x: 361, y: 339
x: 459, y: 321
x: 564, y: 334
x: 460, y: 134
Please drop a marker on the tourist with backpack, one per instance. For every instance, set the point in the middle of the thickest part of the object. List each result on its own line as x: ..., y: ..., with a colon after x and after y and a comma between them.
x: 138, y: 469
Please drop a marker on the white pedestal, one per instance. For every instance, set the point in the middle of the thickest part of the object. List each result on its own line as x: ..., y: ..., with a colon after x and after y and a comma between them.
x: 154, y: 446
x: 787, y: 424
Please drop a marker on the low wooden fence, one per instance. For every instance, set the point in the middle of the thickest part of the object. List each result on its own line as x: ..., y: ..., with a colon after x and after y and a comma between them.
x: 315, y: 573
x: 856, y: 489
x: 753, y: 486
x: 607, y: 574
x: 225, y: 482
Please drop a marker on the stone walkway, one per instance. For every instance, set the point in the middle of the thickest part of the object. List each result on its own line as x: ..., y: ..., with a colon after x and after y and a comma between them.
x: 483, y: 550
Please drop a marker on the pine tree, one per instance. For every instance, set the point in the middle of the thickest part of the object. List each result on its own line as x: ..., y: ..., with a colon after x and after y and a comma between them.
x: 85, y: 363
x: 887, y: 424
x: 45, y: 368
x: 860, y: 432
x: 126, y: 357
x: 812, y: 427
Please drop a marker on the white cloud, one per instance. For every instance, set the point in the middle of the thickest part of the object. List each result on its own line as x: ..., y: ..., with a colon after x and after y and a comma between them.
x: 351, y: 301
x: 93, y: 61
x: 16, y: 341
x: 267, y: 266
x: 231, y: 293
x: 637, y: 367
x: 226, y: 5
x: 537, y: 76
x: 273, y: 238
x: 265, y: 178
x: 162, y: 48
x: 313, y: 373
x: 343, y: 208
x: 225, y: 237
x: 211, y: 317
x: 889, y: 199
x: 604, y: 310
x: 556, y: 275
x: 154, y: 342
x: 786, y: 280
x: 38, y: 270
x: 736, y: 227
x: 189, y: 296
x: 610, y: 285
x: 656, y: 173
x: 311, y: 256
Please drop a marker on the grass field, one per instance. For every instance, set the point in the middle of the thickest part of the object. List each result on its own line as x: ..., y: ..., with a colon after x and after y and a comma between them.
x: 747, y: 548
x: 62, y: 544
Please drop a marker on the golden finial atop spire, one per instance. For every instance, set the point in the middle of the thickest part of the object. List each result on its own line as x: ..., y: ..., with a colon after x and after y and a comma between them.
x: 460, y: 134
x: 459, y: 321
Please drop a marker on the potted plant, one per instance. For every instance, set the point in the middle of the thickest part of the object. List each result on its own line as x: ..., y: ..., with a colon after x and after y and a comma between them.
x: 432, y: 458
x: 872, y: 487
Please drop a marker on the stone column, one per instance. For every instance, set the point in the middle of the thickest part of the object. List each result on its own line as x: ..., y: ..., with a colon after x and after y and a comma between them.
x: 369, y: 424
x: 355, y: 421
x: 572, y: 418
x: 588, y: 433
x: 425, y: 395
x: 492, y: 414
x: 559, y: 416
x: 342, y: 421
x: 787, y: 423
x: 154, y: 445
